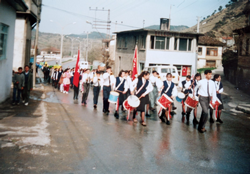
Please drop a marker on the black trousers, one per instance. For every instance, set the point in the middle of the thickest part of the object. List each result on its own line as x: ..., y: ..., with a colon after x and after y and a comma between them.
x: 204, y: 102
x: 106, y: 92
x: 76, y: 92
x: 96, y: 91
x: 26, y: 94
x: 85, y: 94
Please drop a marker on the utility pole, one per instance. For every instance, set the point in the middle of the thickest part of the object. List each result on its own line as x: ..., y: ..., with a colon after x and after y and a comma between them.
x: 169, y: 17
x: 101, y: 24
x: 36, y: 42
x: 87, y: 46
x: 198, y: 24
x: 143, y: 23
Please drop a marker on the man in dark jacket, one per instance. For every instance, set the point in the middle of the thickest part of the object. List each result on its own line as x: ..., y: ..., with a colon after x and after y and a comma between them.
x: 18, y: 84
x: 28, y: 84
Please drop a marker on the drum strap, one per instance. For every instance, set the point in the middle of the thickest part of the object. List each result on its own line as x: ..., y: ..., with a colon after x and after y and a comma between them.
x: 168, y: 88
x: 119, y: 84
x: 141, y: 87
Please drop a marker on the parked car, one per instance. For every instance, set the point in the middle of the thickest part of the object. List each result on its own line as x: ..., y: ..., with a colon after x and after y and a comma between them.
x: 163, y: 70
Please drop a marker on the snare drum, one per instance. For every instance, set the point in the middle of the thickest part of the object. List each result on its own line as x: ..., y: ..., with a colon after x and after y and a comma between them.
x: 131, y: 102
x: 164, y: 101
x: 190, y: 102
x: 113, y: 96
x: 216, y: 104
x: 180, y: 96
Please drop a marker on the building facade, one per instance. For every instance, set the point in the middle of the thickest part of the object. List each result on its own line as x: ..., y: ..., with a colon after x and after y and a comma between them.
x: 8, y: 10
x: 237, y: 66
x: 25, y: 23
x: 209, y: 52
x: 157, y: 48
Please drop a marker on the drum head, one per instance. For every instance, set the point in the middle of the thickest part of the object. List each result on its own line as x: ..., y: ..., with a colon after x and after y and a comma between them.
x: 133, y: 101
x: 114, y: 93
x: 181, y: 95
x: 167, y: 97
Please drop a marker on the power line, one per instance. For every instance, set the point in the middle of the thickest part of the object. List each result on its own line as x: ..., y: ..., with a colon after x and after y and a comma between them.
x: 80, y: 15
x: 186, y: 6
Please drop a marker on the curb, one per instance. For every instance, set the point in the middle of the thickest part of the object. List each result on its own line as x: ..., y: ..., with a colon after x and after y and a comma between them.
x: 243, y: 109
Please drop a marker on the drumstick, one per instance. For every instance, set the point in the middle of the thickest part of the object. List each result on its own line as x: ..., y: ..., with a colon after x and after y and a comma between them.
x: 128, y: 114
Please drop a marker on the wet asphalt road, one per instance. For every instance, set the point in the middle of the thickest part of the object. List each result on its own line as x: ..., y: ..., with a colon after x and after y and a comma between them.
x: 95, y: 143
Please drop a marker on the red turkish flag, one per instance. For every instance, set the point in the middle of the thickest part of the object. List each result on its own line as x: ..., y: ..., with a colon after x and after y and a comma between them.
x: 135, y: 64
x: 77, y: 75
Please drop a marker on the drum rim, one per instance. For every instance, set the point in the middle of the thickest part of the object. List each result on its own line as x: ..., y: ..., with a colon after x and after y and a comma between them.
x: 114, y: 92
x: 138, y: 103
x: 181, y: 94
x: 168, y: 98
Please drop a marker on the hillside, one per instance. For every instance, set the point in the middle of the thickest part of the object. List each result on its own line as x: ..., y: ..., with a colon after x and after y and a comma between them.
x: 172, y: 27
x: 224, y: 22
x: 47, y: 40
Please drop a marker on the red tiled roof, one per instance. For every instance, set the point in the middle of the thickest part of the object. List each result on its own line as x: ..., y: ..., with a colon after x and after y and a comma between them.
x: 227, y: 38
x: 209, y: 41
x: 52, y: 49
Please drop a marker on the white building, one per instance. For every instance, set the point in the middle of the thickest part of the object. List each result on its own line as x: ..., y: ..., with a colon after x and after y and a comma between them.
x: 8, y: 10
x: 157, y: 47
x: 209, y: 52
x: 25, y: 22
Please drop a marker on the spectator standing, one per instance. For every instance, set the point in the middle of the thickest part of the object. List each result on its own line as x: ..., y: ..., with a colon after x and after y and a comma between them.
x: 18, y: 84
x: 28, y: 84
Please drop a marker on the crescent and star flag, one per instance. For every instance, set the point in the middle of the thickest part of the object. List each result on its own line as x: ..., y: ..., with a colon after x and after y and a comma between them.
x: 135, y: 71
x: 77, y: 75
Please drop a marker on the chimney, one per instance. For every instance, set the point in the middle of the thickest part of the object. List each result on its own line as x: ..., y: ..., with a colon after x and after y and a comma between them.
x: 165, y: 24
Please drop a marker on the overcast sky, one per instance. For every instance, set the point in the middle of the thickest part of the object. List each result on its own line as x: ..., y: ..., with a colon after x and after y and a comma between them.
x: 130, y: 12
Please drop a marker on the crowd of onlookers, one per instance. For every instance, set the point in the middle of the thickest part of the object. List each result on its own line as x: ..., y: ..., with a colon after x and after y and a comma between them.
x: 22, y: 85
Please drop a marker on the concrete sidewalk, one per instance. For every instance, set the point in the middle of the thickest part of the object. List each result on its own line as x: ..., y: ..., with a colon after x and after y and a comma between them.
x: 238, y: 100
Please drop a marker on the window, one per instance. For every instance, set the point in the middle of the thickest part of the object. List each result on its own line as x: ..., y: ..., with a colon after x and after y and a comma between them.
x: 120, y: 42
x: 143, y: 40
x: 125, y: 42
x: 212, y: 52
x: 165, y: 70
x: 3, y: 40
x: 173, y: 70
x: 167, y: 44
x: 200, y: 51
x: 210, y: 63
x: 160, y: 43
x: 189, y: 44
x: 136, y: 40
x: 175, y: 43
x: 183, y: 44
x: 152, y: 42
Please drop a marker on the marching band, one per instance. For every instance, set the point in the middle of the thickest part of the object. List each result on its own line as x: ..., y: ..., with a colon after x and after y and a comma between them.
x: 149, y: 91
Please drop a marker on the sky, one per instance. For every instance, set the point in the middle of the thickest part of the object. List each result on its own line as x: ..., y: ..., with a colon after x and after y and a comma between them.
x: 59, y: 16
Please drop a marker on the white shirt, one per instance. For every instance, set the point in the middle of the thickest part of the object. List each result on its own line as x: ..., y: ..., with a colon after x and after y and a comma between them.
x: 95, y: 81
x: 106, y: 79
x: 202, y: 86
x: 126, y: 86
x: 86, y: 78
x: 55, y: 75
x: 217, y: 86
x: 186, y: 86
x: 174, y: 91
x: 129, y: 80
x: 134, y: 85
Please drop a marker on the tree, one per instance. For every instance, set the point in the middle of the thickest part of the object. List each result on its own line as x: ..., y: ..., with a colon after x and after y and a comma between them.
x: 220, y: 8
x: 208, y: 16
x: 213, y: 12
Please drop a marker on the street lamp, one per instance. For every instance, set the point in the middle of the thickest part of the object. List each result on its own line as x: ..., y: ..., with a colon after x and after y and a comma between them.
x: 80, y: 46
x: 87, y: 46
x: 62, y: 27
x: 72, y: 40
